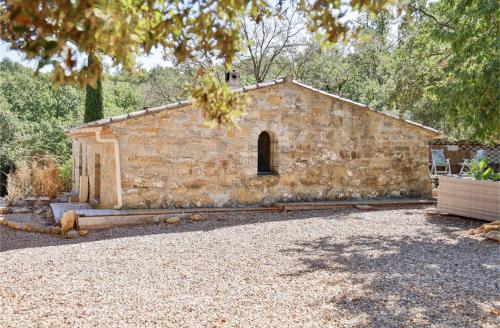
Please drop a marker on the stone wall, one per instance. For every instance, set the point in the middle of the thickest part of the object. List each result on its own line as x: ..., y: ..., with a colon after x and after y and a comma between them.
x: 322, y: 149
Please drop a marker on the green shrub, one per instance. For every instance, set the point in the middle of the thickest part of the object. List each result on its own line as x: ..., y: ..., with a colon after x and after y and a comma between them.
x: 66, y: 172
x: 479, y: 170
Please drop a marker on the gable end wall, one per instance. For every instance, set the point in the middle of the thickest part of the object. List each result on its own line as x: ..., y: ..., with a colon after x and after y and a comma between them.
x: 322, y: 149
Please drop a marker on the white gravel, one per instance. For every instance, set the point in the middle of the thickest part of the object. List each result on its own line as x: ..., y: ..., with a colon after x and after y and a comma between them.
x: 386, y: 268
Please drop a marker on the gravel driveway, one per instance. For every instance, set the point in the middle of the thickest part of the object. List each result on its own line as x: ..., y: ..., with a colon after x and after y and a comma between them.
x: 390, y: 268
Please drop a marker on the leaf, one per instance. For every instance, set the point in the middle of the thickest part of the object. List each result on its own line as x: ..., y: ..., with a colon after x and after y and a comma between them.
x: 219, y: 105
x: 121, y: 29
x: 487, y: 173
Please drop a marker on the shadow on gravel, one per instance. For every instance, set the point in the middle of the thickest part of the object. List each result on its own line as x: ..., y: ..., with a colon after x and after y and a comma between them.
x: 406, y: 281
x: 450, y: 225
x: 12, y: 239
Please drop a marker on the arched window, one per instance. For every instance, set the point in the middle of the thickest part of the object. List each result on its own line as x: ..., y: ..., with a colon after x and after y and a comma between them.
x: 264, y: 154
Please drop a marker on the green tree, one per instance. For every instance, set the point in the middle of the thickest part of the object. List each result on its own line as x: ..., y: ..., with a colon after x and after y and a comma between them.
x: 121, y: 96
x: 94, y: 109
x: 166, y: 85
x: 58, y: 32
x: 357, y: 70
x: 33, y: 115
x: 469, y: 93
x: 33, y: 98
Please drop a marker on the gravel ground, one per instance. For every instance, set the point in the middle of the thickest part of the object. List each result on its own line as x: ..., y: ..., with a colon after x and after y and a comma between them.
x: 386, y: 268
x: 29, y: 218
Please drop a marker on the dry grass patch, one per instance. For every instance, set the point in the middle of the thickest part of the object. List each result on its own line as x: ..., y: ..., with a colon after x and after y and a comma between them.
x: 34, y: 178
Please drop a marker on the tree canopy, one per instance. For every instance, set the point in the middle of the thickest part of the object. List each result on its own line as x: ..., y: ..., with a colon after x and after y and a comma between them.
x: 58, y: 31
x: 65, y: 33
x: 465, y: 39
x: 435, y: 62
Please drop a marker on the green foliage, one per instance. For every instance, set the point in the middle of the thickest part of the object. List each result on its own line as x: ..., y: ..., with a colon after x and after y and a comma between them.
x: 33, y: 98
x: 74, y: 36
x: 438, y: 65
x: 360, y: 70
x: 325, y: 16
x: 66, y: 174
x: 222, y: 106
x: 33, y: 116
x: 165, y: 85
x: 7, y: 124
x: 94, y: 103
x: 121, y: 97
x: 479, y: 170
x: 459, y: 38
x: 59, y: 31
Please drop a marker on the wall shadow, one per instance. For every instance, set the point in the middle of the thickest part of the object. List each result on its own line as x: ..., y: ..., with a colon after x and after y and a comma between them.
x: 12, y: 239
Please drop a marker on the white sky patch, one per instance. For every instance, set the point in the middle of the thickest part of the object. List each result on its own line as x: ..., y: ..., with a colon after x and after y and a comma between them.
x: 15, y: 56
x: 154, y: 59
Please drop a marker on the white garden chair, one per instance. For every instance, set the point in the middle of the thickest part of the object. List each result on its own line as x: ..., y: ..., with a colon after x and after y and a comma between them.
x: 465, y: 165
x: 439, y: 161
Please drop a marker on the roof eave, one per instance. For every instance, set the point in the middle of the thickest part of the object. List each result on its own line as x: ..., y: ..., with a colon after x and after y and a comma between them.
x: 184, y: 103
x: 152, y: 110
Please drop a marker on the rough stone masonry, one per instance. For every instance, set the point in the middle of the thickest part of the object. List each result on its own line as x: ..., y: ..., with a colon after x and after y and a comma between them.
x: 322, y: 147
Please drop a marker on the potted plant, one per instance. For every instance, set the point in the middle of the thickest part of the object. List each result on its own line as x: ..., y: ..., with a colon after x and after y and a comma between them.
x: 476, y: 195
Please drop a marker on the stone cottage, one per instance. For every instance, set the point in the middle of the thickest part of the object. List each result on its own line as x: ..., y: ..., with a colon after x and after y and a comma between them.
x: 295, y: 143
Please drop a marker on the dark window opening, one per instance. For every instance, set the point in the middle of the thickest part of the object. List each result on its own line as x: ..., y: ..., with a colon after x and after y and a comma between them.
x: 264, y: 154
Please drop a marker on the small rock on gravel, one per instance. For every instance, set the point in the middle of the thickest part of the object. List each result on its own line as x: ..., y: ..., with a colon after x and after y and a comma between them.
x: 53, y: 230
x: 14, y: 225
x: 172, y: 220
x: 33, y: 227
x: 485, y: 228
x: 364, y: 207
x: 493, y: 235
x: 198, y: 217
x: 68, y: 221
x: 28, y: 227
x: 72, y: 234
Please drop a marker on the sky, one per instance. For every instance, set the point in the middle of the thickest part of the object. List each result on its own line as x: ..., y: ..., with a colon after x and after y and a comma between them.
x: 5, y: 52
x: 154, y: 59
x: 147, y: 62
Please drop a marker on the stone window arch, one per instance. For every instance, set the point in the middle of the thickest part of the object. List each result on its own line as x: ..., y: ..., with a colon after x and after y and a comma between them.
x: 264, y: 154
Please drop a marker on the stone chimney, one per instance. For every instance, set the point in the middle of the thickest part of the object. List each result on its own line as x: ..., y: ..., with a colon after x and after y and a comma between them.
x: 233, y: 79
